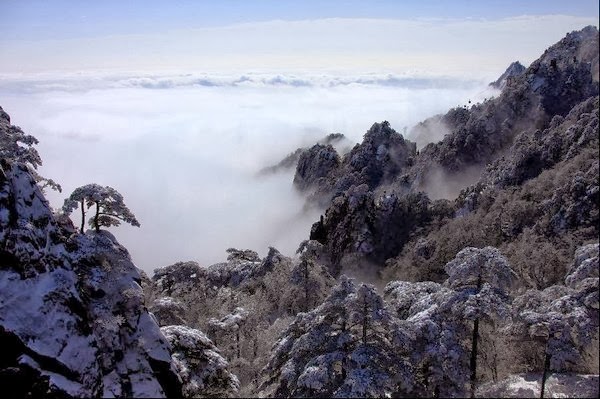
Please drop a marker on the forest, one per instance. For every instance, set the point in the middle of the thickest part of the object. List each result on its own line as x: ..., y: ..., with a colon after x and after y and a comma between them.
x: 468, y: 267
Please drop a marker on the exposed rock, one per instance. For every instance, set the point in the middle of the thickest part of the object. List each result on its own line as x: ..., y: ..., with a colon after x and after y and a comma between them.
x: 71, y: 307
x: 545, y: 116
x: 375, y: 230
x: 337, y: 140
x: 552, y: 85
x: 534, y: 151
x: 381, y: 156
x: 585, y: 265
x: 515, y: 69
x: 315, y: 164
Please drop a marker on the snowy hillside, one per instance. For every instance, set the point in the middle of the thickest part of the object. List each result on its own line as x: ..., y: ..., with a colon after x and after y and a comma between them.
x: 468, y: 267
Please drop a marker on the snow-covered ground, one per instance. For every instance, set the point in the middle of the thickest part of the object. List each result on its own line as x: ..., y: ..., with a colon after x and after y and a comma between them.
x: 529, y: 385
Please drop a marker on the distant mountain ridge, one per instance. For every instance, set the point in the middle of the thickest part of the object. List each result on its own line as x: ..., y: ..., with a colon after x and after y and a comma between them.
x: 549, y: 88
x: 520, y: 177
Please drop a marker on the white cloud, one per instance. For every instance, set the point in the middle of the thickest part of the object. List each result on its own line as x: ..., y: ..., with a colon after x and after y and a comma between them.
x: 185, y: 157
x: 183, y: 144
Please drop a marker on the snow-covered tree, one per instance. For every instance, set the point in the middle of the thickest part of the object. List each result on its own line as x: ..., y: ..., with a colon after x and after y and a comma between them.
x: 481, y: 280
x: 438, y: 354
x: 310, y: 281
x: 110, y: 208
x: 16, y: 146
x: 349, y: 346
x: 229, y: 325
x: 203, y: 371
x: 561, y: 322
x: 168, y: 311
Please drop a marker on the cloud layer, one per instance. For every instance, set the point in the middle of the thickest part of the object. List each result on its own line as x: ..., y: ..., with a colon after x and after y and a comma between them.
x: 185, y: 156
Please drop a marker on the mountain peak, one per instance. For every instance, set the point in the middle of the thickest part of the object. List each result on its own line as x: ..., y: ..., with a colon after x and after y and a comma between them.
x: 514, y: 69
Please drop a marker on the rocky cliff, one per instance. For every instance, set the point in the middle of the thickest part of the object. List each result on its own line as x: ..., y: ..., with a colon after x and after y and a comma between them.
x: 72, y: 315
x: 545, y: 116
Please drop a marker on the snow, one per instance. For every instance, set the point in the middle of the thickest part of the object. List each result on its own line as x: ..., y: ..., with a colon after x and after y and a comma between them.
x: 79, y: 313
x: 529, y: 385
x: 35, y: 310
x: 202, y: 370
x: 70, y: 387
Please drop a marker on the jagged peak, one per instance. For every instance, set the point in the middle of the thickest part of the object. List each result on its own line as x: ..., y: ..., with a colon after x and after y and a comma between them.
x: 514, y: 69
x: 4, y: 115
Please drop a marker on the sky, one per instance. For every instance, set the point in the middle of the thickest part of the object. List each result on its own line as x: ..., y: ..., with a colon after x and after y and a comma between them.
x: 73, y: 36
x: 64, y: 19
x: 179, y: 104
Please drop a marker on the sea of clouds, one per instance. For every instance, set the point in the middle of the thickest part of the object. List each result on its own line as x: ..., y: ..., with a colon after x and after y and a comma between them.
x: 184, y: 149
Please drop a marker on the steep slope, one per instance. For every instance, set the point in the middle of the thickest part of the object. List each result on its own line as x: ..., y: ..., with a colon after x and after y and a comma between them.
x: 382, y: 155
x: 337, y: 140
x: 529, y: 124
x: 553, y: 84
x: 72, y: 315
x: 515, y: 69
x: 536, y: 204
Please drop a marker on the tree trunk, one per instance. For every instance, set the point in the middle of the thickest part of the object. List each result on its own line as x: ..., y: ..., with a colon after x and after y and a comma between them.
x: 475, y: 338
x: 82, y: 217
x: 345, y: 354
x: 237, y: 342
x: 545, y: 374
x: 306, y: 294
x: 96, y: 217
x: 473, y: 363
x: 365, y: 324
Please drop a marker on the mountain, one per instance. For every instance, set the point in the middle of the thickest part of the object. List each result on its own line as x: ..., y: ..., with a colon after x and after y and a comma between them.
x: 483, y: 246
x: 515, y: 69
x: 384, y: 194
x: 72, y: 315
x: 291, y: 160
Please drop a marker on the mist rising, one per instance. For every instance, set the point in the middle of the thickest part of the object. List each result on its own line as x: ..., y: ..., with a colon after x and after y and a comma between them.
x: 184, y: 152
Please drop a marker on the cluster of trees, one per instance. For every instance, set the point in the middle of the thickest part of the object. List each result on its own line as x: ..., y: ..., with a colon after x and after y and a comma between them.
x: 344, y: 339
x: 243, y: 304
x: 433, y: 339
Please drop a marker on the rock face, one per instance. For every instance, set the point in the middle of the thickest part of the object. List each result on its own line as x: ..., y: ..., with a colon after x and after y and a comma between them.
x: 552, y: 85
x: 546, y: 115
x: 515, y: 69
x: 535, y: 203
x: 381, y: 156
x: 356, y: 226
x: 72, y: 315
x: 315, y: 164
x: 535, y: 150
x: 338, y: 140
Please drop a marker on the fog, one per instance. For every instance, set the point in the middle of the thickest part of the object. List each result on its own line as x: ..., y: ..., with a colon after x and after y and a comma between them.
x: 184, y: 149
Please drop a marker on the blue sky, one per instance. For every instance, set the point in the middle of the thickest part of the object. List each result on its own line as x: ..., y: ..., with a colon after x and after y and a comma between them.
x: 387, y: 35
x: 60, y: 19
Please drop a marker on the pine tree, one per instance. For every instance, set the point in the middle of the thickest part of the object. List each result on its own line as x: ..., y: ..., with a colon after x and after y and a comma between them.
x: 349, y: 346
x: 481, y: 280
x: 110, y: 208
